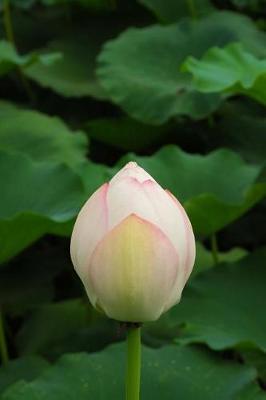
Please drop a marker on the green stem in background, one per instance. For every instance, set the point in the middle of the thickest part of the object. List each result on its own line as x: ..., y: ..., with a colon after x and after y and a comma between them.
x: 214, y: 248
x: 3, y: 345
x: 11, y: 38
x: 192, y: 9
x: 8, y: 22
x: 133, y: 363
x: 27, y: 87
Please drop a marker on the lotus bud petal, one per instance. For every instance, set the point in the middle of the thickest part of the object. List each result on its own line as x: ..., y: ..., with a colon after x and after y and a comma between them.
x: 133, y: 247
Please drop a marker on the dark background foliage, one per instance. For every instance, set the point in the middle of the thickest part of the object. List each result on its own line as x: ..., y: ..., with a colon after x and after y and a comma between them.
x: 180, y: 87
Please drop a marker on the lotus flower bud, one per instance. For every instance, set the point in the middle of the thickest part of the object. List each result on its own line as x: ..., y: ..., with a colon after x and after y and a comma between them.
x: 133, y: 247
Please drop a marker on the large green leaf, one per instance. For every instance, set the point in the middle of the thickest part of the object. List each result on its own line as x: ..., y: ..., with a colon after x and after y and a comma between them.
x: 39, y: 136
x: 140, y: 70
x: 186, y: 372
x: 9, y: 58
x: 172, y: 10
x: 223, y: 307
x: 14, y: 237
x: 251, y: 392
x: 232, y: 70
x: 74, y: 74
x: 27, y: 281
x: 37, y: 152
x: 71, y: 325
x: 30, y: 187
x: 37, y: 198
x: 60, y: 319
x: 27, y: 368
x: 215, y: 189
x: 257, y: 359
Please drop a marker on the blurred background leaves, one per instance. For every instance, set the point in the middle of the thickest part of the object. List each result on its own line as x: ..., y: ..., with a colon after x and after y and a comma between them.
x: 179, y: 87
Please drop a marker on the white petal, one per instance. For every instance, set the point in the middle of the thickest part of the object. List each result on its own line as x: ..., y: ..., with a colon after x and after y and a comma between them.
x: 90, y: 227
x: 149, y: 201
x: 188, y: 250
x: 132, y: 170
x: 133, y: 270
x: 126, y: 196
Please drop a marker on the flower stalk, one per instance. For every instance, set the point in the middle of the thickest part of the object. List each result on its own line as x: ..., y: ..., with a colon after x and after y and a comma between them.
x: 3, y: 345
x: 133, y: 362
x: 8, y: 22
x: 192, y: 9
x: 10, y: 36
x: 214, y: 249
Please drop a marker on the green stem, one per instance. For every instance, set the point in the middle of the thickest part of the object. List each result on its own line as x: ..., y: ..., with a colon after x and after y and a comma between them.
x: 214, y: 248
x: 192, y: 9
x: 133, y: 363
x: 3, y: 345
x: 26, y: 85
x: 8, y: 22
x: 11, y: 38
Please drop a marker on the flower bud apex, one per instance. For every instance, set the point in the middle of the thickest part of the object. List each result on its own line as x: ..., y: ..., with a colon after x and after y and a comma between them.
x: 133, y: 247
